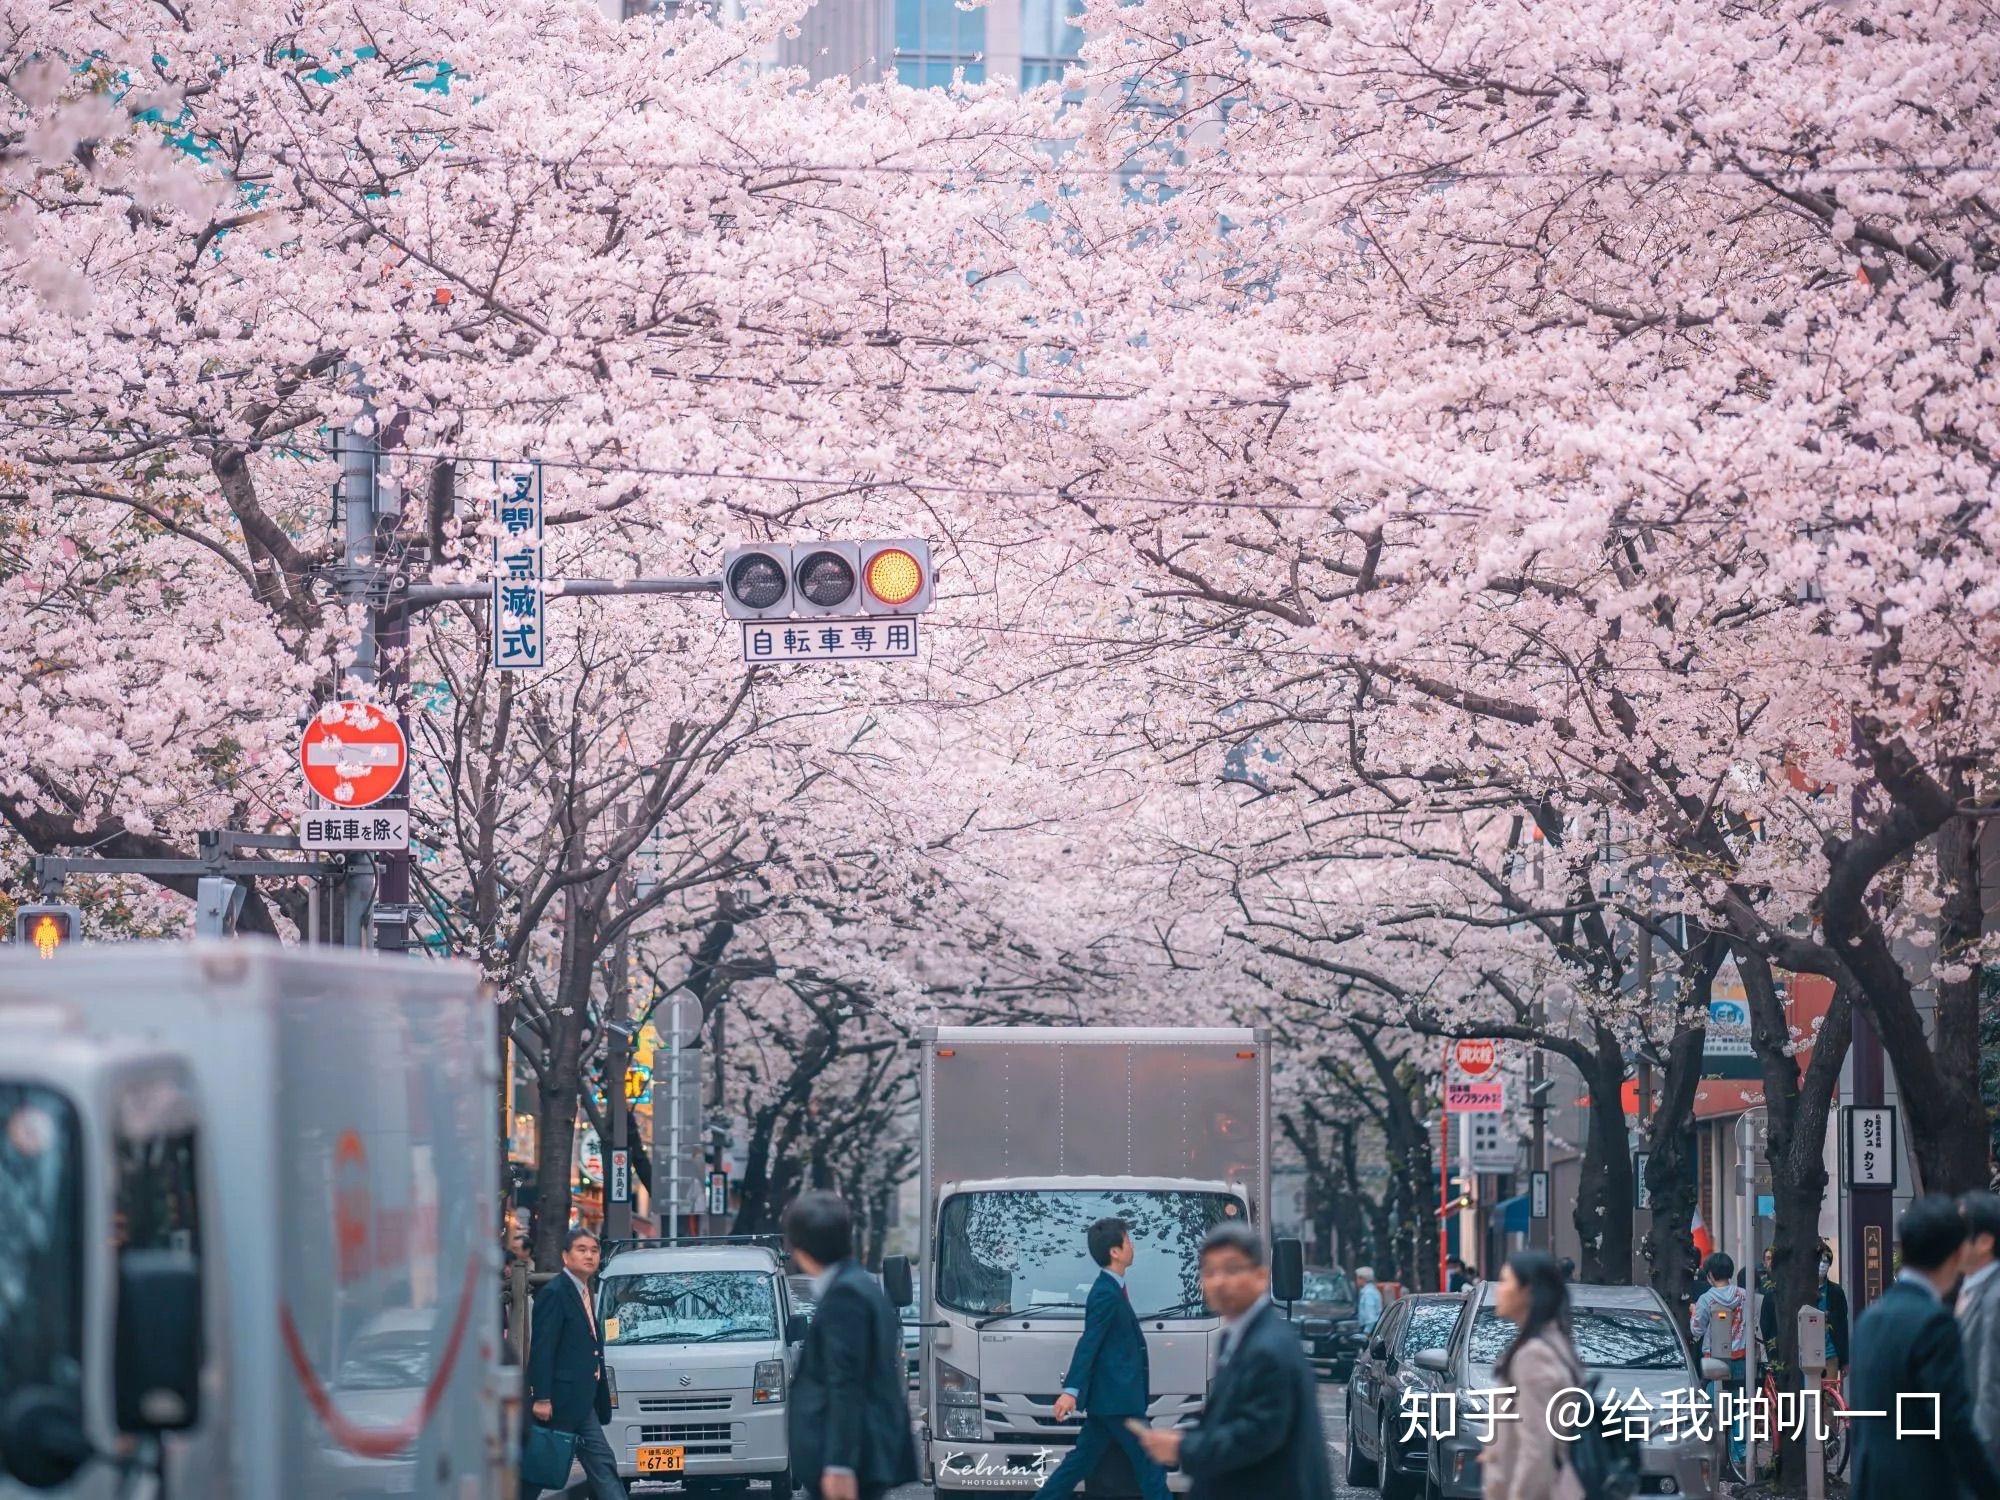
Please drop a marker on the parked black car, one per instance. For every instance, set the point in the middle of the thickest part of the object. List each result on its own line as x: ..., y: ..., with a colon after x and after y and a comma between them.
x: 1383, y: 1372
x: 1325, y: 1320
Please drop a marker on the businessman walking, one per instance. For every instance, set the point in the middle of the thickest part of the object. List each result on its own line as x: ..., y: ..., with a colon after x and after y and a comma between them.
x: 567, y: 1388
x: 1108, y: 1380
x: 1260, y: 1438
x: 849, y: 1422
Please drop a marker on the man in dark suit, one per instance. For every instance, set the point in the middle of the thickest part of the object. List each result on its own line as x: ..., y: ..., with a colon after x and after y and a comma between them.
x: 1907, y: 1343
x: 1979, y: 1313
x: 567, y: 1388
x: 849, y: 1419
x: 1109, y: 1378
x: 1260, y: 1437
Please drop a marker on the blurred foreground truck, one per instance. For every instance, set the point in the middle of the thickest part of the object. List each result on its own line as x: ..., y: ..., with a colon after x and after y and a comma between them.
x: 1029, y: 1135
x: 248, y: 1226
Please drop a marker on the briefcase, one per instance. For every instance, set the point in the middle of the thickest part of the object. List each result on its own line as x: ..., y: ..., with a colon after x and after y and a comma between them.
x: 546, y: 1455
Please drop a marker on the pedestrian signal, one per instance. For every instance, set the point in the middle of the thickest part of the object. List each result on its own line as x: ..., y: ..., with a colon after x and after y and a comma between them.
x: 47, y: 928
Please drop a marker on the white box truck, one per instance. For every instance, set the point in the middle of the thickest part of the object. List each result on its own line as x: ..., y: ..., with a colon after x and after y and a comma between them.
x: 248, y: 1226
x: 1029, y: 1135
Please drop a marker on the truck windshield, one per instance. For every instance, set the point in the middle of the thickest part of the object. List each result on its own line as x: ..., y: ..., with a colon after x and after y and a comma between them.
x: 689, y: 1307
x: 1005, y: 1251
x: 41, y: 1224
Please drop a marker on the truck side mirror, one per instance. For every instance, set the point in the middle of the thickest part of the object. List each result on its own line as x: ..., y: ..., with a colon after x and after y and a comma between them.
x: 795, y: 1328
x: 897, y: 1281
x: 1288, y: 1270
x: 157, y: 1385
x: 42, y: 1441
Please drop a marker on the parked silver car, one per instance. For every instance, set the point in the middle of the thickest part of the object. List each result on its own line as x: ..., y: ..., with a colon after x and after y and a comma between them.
x: 1630, y: 1340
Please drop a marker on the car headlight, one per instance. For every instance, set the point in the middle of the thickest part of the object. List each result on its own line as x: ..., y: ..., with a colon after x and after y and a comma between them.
x: 769, y: 1382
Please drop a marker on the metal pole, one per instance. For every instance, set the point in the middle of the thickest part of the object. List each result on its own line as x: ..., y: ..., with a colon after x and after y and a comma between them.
x: 617, y: 1052
x: 1746, y: 1239
x: 360, y: 472
x: 675, y: 1145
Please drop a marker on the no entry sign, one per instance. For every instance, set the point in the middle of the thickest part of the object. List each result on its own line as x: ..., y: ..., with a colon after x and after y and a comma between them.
x: 1475, y: 1056
x: 353, y: 754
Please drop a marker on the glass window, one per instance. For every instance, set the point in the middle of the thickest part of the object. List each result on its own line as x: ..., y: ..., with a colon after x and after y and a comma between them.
x: 689, y: 1307
x: 1328, y: 1286
x: 1001, y: 1252
x: 1429, y: 1327
x: 1049, y: 39
x: 1606, y: 1338
x: 41, y: 1224
x: 934, y: 38
x: 389, y: 1359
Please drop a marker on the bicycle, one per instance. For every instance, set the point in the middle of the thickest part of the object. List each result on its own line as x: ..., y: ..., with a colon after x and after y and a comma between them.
x: 1834, y: 1446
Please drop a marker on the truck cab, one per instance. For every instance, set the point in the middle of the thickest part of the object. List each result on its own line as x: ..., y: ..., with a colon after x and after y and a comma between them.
x: 701, y: 1339
x: 103, y: 1317
x: 1012, y: 1276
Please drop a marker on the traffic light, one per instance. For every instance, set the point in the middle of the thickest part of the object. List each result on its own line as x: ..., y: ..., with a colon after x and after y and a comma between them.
x: 47, y: 927
x: 814, y: 580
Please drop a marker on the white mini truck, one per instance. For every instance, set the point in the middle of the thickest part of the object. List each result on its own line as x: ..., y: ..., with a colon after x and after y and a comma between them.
x: 701, y: 1339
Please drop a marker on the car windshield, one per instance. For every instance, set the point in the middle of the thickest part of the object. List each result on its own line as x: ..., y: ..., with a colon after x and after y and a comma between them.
x: 1429, y: 1327
x: 1328, y: 1286
x: 389, y: 1361
x: 41, y: 1224
x: 686, y: 1307
x: 1001, y: 1252
x: 1606, y: 1338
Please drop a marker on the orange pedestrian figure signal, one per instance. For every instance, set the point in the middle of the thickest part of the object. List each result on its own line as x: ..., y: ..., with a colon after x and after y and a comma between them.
x: 46, y: 929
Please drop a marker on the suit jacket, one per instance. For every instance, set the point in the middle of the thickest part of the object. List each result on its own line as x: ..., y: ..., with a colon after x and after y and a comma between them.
x: 1979, y: 1333
x: 1908, y: 1341
x: 1525, y: 1461
x: 1260, y: 1437
x: 566, y: 1357
x: 1109, y: 1371
x: 850, y: 1403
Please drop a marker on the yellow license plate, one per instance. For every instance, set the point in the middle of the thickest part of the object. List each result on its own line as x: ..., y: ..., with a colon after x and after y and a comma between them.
x: 662, y: 1460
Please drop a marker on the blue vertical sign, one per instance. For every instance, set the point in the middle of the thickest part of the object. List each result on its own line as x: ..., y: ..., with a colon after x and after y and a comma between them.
x: 520, y: 609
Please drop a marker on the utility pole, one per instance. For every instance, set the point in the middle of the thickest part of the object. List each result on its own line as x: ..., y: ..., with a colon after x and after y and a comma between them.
x: 617, y: 1062
x: 358, y: 586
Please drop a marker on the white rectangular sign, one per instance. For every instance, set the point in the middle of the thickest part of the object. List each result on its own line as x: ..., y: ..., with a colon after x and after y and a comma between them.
x: 718, y: 1193
x: 621, y: 1177
x: 1871, y: 1147
x: 520, y: 608
x: 1538, y: 1195
x: 1486, y: 1146
x: 828, y: 640
x: 378, y: 828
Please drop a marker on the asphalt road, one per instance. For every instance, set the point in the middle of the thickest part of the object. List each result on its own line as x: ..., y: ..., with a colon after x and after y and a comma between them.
x: 1332, y: 1406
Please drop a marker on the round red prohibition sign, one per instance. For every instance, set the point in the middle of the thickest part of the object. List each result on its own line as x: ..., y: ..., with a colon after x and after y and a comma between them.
x: 353, y: 754
x: 1475, y: 1057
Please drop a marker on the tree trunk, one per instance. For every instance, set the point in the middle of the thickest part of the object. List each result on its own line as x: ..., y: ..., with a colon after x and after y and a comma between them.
x: 560, y: 1086
x: 1797, y: 1107
x: 1671, y: 1169
x: 1604, y: 1193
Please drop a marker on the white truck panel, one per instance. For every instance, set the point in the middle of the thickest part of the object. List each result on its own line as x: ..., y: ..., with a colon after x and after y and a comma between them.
x: 350, y: 1211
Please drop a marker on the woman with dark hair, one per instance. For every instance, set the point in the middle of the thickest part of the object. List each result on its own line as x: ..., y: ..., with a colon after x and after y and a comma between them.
x: 1525, y: 1460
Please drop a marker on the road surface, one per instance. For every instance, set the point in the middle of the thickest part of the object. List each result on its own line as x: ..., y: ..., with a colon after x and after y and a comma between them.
x: 1332, y: 1406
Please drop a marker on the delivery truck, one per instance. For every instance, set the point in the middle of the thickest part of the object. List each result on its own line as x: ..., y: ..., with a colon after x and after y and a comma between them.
x: 1029, y: 1135
x: 248, y: 1226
